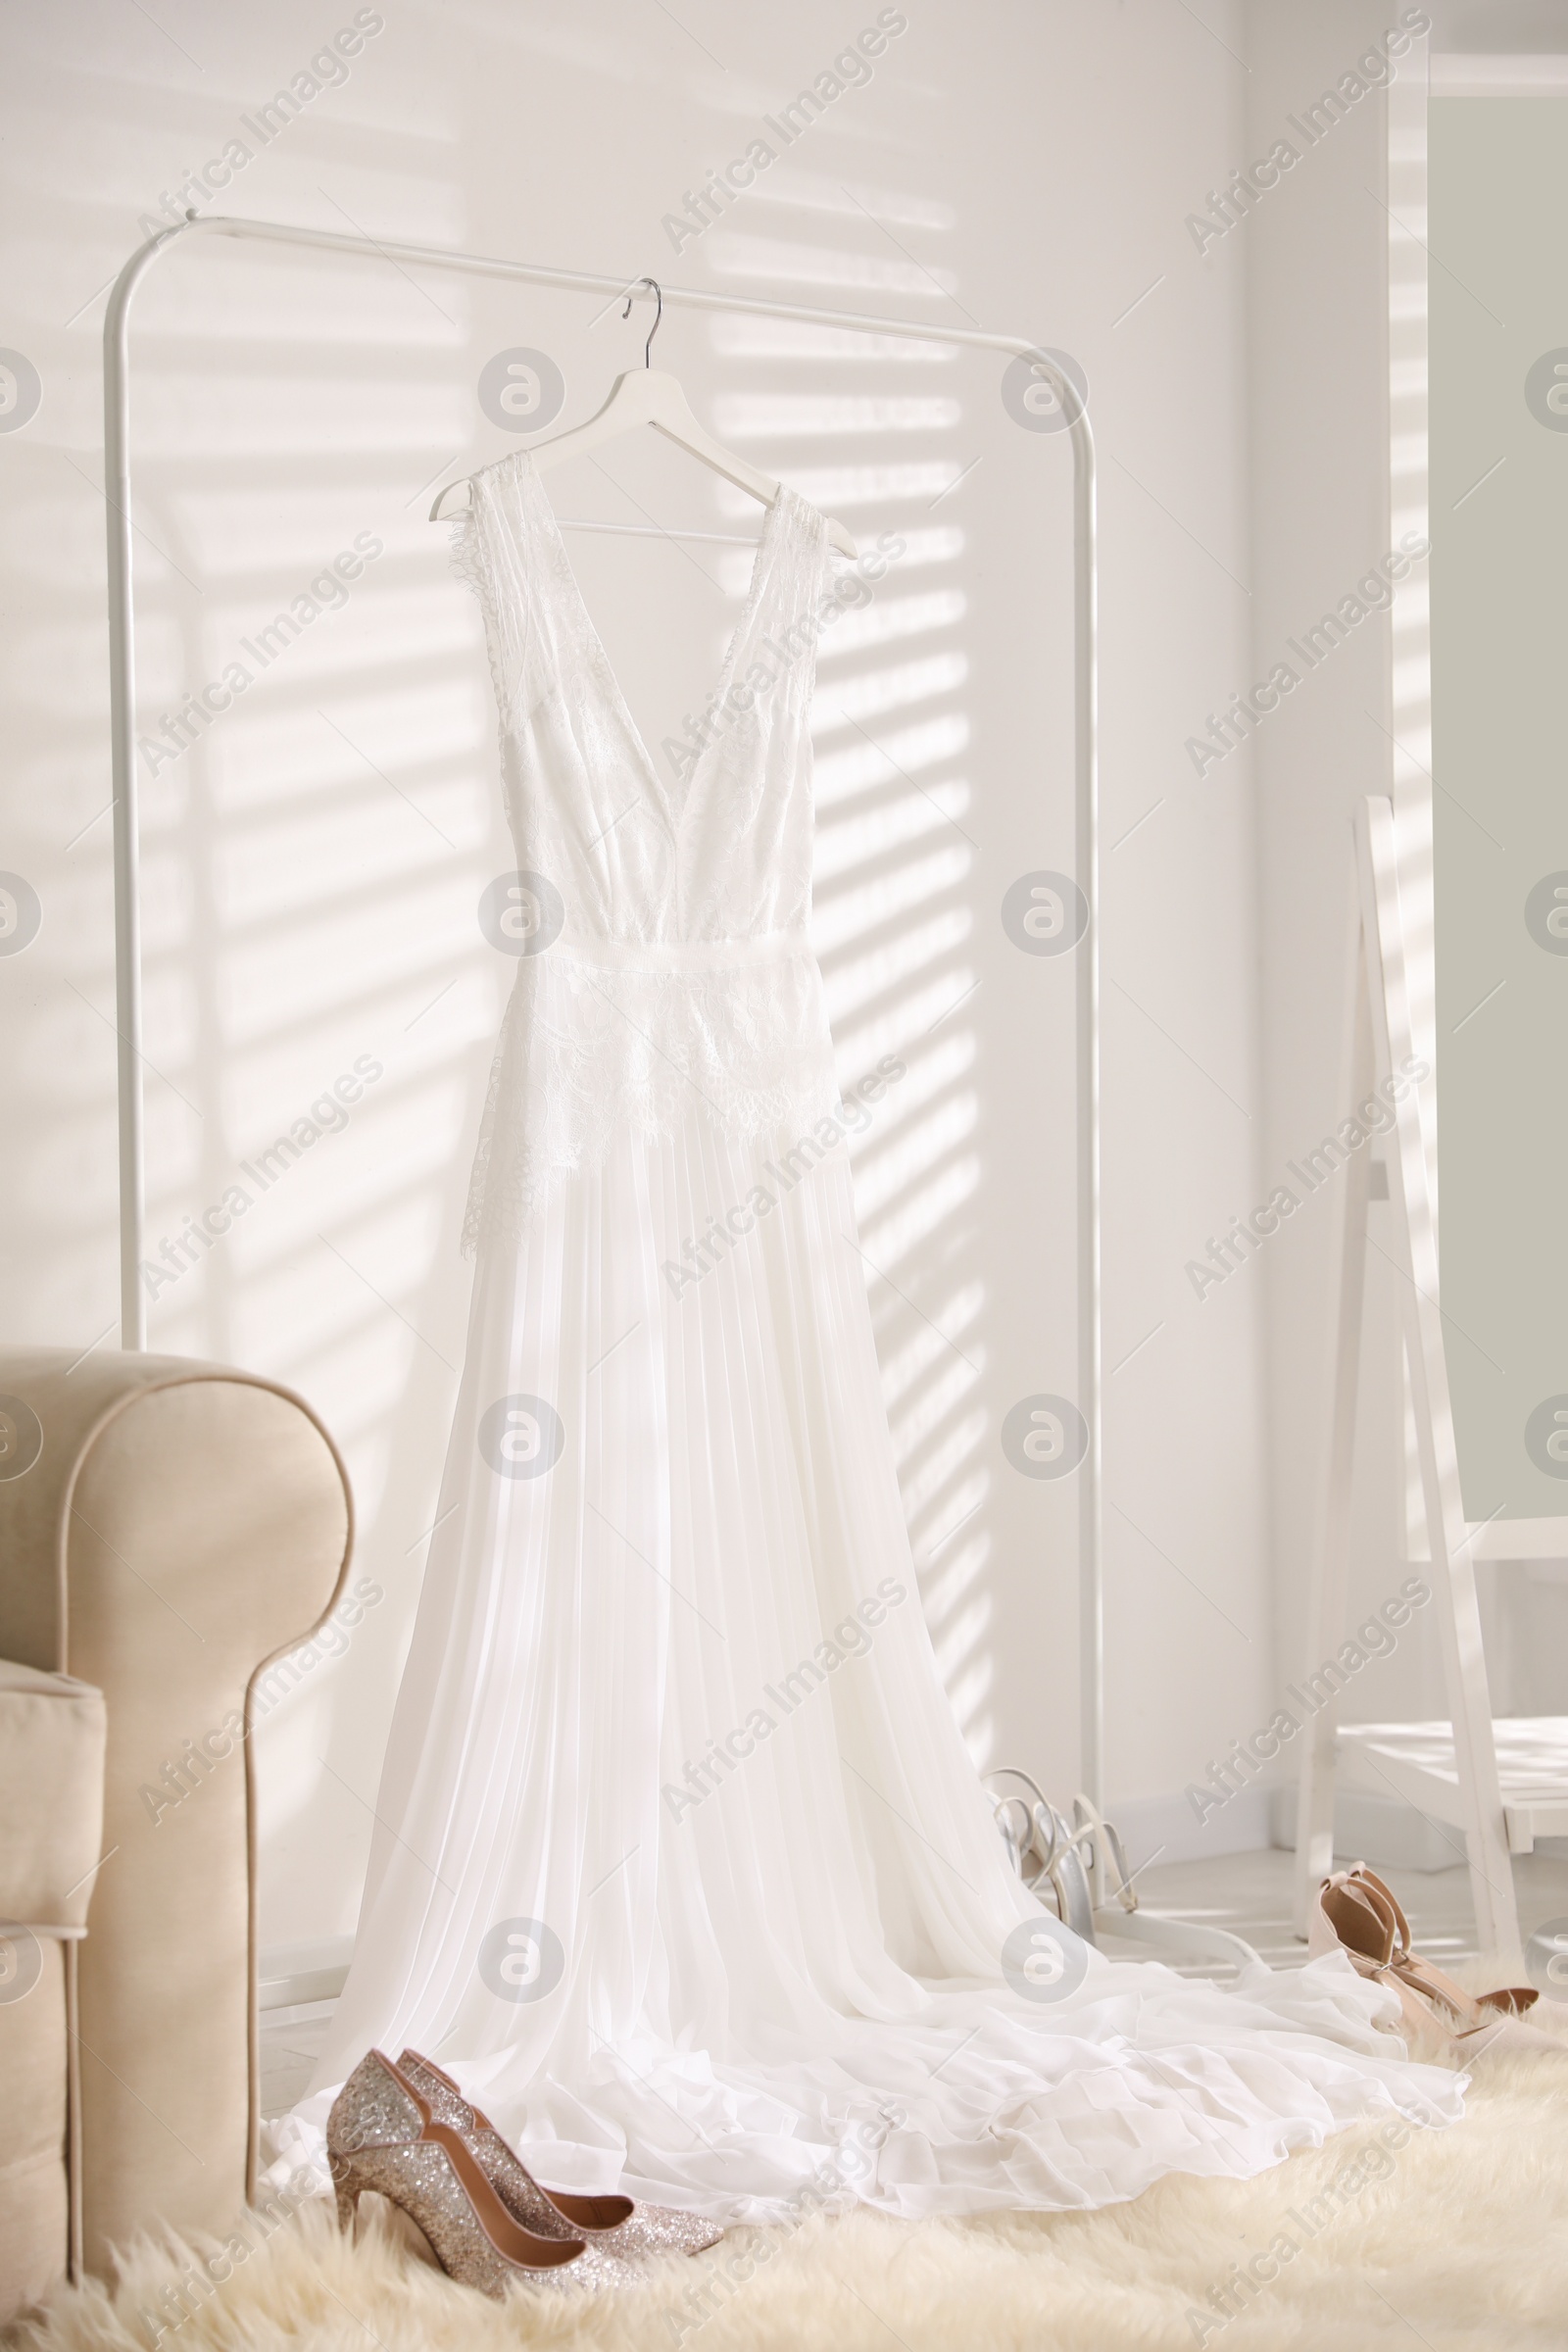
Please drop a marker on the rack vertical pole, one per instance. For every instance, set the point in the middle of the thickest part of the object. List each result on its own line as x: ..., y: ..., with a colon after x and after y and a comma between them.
x: 123, y: 765
x: 1086, y: 798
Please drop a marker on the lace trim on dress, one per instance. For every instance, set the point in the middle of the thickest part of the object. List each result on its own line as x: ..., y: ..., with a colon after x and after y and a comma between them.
x: 475, y: 564
x: 592, y: 1051
x: 638, y: 1035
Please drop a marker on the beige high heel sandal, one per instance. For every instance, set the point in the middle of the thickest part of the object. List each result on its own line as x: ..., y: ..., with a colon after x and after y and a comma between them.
x: 613, y: 2223
x: 381, y: 2136
x: 1356, y: 1914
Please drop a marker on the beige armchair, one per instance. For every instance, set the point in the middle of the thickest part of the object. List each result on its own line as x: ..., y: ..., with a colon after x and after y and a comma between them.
x: 167, y: 1528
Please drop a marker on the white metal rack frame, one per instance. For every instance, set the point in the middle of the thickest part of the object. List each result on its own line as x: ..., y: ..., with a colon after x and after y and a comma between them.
x: 123, y: 722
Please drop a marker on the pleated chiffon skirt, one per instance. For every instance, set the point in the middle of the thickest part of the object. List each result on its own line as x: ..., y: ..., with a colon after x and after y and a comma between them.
x: 681, y: 1866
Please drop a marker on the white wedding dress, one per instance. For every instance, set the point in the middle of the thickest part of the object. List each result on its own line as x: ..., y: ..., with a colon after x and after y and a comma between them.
x: 670, y: 1946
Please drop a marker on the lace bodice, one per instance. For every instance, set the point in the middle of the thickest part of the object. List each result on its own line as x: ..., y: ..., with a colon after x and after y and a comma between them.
x: 664, y: 966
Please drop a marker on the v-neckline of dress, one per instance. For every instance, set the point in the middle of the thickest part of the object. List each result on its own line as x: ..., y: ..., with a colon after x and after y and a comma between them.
x: 537, y: 503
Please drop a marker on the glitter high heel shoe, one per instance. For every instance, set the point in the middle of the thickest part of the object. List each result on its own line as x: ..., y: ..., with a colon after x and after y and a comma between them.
x: 614, y: 2224
x: 381, y: 2135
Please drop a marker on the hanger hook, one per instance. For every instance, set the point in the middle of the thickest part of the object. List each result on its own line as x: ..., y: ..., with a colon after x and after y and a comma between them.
x: 658, y: 295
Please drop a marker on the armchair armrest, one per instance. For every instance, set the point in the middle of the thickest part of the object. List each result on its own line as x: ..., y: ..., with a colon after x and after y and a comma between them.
x: 167, y: 1528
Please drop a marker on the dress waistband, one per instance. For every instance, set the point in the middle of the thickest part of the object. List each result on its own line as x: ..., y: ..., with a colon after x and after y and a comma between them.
x: 682, y: 954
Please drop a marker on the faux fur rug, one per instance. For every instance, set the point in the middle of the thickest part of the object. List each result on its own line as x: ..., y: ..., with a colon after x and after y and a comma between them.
x: 1384, y: 2239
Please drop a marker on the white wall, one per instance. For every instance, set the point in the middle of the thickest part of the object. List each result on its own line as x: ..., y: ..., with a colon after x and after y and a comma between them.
x: 312, y: 866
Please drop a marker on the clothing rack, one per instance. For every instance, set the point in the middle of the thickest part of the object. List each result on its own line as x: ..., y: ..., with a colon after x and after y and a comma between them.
x: 123, y: 716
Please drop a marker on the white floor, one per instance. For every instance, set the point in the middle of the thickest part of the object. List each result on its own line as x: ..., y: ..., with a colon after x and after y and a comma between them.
x: 1249, y: 1893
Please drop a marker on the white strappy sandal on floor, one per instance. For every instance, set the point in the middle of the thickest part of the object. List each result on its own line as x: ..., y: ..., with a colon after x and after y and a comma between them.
x: 1043, y: 1851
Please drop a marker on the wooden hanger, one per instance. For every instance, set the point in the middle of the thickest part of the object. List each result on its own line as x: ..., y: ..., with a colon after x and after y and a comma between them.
x: 645, y: 395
